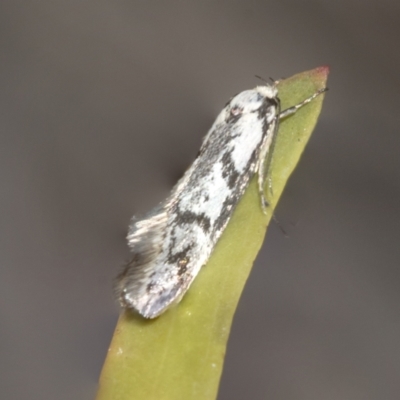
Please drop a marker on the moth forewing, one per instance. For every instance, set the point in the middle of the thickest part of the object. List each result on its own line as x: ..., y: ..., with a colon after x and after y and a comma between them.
x: 173, y: 242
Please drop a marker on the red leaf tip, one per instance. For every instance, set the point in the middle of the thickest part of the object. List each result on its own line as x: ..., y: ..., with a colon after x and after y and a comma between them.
x: 323, y: 70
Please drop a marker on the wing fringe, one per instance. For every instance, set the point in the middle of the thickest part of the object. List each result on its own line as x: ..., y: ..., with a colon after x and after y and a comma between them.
x: 145, y: 238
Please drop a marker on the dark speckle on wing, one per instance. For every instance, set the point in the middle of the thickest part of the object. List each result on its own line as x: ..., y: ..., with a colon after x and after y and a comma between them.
x: 179, y: 256
x: 229, y: 172
x: 188, y: 217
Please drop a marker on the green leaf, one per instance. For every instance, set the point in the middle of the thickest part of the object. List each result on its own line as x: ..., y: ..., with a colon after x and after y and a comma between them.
x: 180, y: 354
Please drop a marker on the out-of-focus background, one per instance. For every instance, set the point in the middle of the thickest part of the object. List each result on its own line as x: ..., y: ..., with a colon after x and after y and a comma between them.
x: 104, y: 104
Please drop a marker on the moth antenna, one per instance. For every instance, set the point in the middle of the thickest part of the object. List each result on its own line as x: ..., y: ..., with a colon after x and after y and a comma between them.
x: 262, y: 79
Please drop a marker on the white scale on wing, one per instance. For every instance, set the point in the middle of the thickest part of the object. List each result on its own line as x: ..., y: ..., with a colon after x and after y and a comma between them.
x: 247, y: 141
x: 209, y: 196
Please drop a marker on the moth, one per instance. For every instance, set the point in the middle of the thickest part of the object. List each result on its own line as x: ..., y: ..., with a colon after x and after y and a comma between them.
x: 173, y: 241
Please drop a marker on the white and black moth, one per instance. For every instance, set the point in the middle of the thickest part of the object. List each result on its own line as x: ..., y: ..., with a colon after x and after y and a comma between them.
x: 172, y: 242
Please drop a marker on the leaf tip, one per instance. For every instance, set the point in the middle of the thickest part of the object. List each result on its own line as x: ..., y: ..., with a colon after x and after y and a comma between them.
x: 323, y: 70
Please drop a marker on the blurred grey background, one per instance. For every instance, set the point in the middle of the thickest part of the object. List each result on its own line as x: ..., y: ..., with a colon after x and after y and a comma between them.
x: 104, y: 104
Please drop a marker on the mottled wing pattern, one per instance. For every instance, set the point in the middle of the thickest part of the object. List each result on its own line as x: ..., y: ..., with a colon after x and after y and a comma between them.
x: 173, y: 242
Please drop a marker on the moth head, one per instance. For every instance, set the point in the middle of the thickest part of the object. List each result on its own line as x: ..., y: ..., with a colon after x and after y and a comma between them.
x: 251, y: 101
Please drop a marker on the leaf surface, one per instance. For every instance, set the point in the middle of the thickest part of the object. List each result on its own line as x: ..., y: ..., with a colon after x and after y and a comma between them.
x: 180, y: 354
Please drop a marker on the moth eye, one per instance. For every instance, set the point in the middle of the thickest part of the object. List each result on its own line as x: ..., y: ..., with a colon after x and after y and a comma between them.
x: 235, y: 111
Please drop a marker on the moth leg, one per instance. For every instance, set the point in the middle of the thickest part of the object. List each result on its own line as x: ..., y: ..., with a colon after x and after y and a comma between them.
x: 261, y: 175
x: 267, y: 148
x: 264, y: 163
x: 293, y: 109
